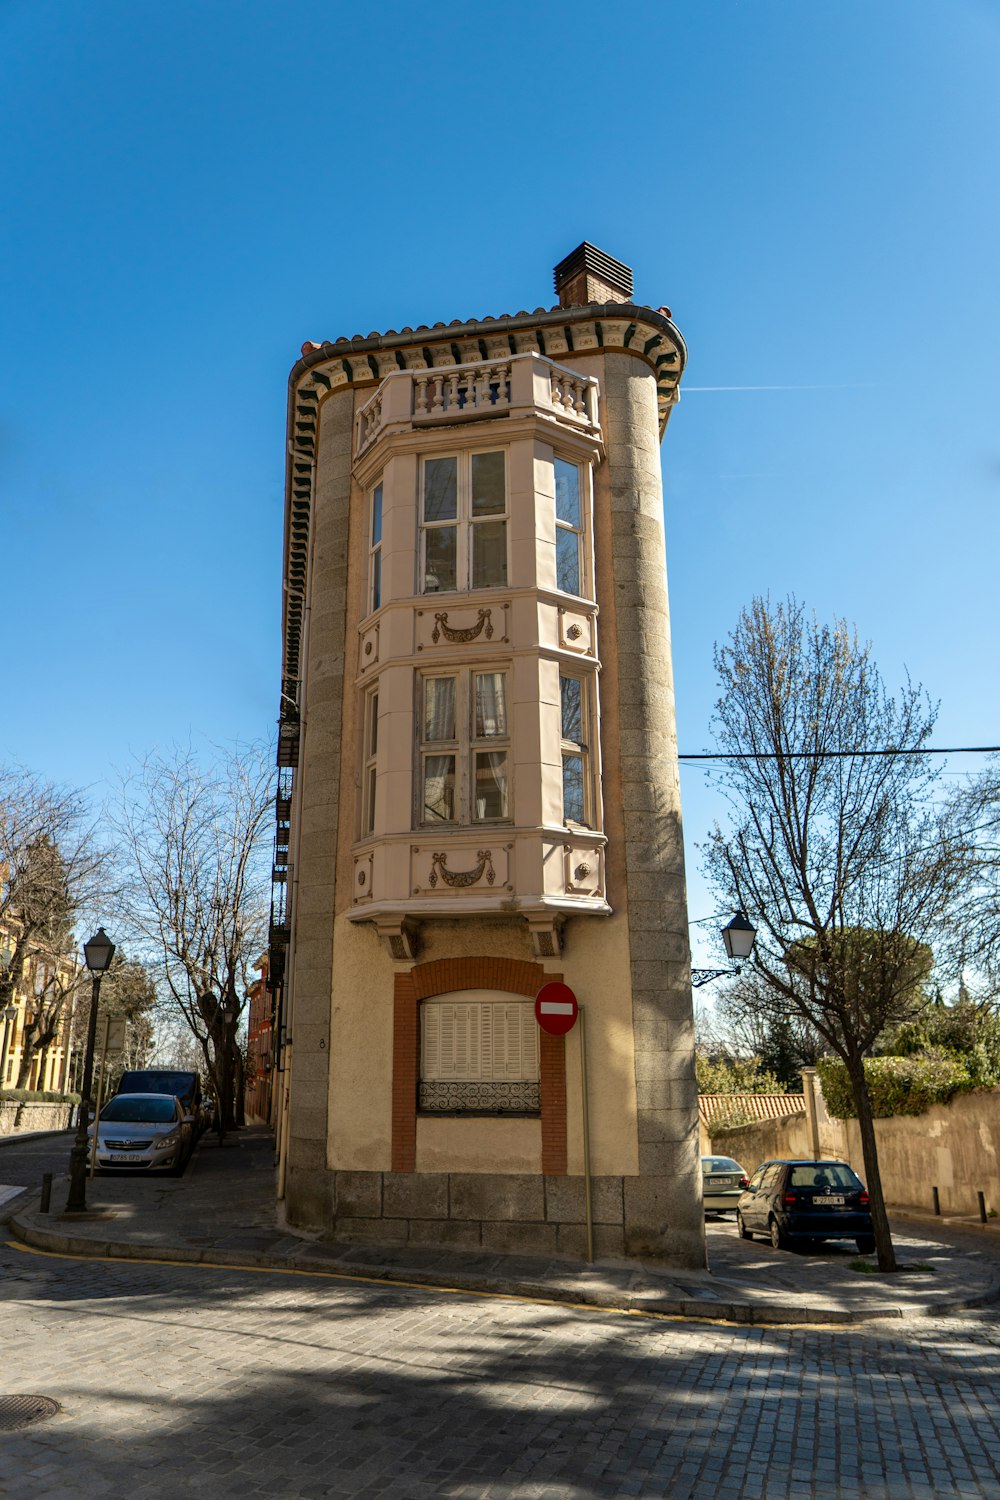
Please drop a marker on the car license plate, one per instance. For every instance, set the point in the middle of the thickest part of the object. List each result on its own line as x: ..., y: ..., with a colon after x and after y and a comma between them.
x: 121, y: 1156
x: 829, y: 1201
x: 720, y: 1181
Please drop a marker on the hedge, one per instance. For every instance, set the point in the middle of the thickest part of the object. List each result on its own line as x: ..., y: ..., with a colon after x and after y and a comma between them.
x: 896, y: 1085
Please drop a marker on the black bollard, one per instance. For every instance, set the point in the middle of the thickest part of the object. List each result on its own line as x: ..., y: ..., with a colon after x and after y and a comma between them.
x: 937, y: 1200
x: 982, y: 1208
x: 43, y: 1206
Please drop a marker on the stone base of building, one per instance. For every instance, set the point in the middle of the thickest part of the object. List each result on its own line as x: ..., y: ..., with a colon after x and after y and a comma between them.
x: 498, y: 1213
x: 530, y: 1215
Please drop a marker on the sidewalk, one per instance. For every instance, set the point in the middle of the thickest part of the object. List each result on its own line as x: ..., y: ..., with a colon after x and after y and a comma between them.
x: 223, y: 1213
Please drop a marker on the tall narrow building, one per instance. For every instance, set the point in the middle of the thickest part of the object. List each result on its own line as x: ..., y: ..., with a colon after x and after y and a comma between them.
x: 479, y: 786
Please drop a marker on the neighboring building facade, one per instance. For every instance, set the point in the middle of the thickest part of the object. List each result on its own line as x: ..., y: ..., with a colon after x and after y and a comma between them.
x: 49, y: 981
x: 480, y: 787
x: 258, y: 1088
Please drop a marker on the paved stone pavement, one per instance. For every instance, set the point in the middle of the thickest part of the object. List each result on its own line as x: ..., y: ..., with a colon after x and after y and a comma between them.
x: 185, y: 1380
x: 223, y: 1211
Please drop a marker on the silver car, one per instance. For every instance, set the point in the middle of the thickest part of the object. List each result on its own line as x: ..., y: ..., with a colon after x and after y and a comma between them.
x: 143, y: 1132
x: 723, y: 1180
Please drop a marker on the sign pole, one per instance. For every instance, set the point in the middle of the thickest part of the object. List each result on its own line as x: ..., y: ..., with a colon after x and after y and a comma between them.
x: 557, y: 1011
x: 587, y: 1193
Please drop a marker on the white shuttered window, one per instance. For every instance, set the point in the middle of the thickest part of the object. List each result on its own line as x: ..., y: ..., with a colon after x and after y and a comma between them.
x: 479, y: 1041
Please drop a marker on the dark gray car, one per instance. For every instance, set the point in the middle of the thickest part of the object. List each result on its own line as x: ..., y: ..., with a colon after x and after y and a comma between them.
x: 801, y: 1201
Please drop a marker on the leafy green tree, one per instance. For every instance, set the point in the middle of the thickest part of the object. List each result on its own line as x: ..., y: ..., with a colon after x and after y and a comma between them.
x: 720, y: 1075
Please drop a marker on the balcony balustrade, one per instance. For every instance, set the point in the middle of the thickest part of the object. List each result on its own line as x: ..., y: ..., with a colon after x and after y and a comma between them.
x: 487, y: 390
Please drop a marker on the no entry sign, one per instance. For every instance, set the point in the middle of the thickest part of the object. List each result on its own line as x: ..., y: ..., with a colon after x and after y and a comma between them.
x: 556, y: 1008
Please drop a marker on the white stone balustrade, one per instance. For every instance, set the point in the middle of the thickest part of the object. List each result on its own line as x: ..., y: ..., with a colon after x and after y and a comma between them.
x: 462, y: 391
x: 369, y: 422
x: 490, y: 389
x: 575, y: 394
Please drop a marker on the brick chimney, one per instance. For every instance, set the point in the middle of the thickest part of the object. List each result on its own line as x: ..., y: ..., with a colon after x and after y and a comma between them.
x: 588, y: 275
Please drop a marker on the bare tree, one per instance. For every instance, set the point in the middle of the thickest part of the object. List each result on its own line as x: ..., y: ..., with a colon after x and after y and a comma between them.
x: 195, y: 842
x: 128, y: 992
x: 977, y: 806
x: 839, y: 855
x: 747, y: 1025
x: 53, y: 872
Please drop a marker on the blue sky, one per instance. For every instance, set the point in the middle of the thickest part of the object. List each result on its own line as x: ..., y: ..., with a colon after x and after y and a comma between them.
x: 192, y: 189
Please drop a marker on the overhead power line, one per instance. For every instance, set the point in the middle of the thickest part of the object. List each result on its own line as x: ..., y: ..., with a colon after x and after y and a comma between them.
x: 839, y: 754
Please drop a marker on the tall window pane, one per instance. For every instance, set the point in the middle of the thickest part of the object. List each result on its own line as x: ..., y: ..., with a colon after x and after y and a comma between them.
x: 489, y: 492
x: 439, y: 789
x: 439, y: 708
x: 575, y: 756
x: 573, y: 798
x: 567, y: 560
x: 440, y: 559
x: 489, y: 554
x: 490, y: 791
x: 569, y: 526
x: 440, y: 489
x: 371, y: 761
x: 567, y: 492
x: 491, y: 705
x: 571, y: 694
x: 375, y: 569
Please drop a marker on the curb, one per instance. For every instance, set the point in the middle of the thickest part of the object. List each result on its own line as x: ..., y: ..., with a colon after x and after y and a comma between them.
x: 732, y: 1310
x: 33, y: 1135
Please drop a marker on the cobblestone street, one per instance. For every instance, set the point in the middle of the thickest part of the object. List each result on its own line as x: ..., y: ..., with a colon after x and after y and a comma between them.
x: 186, y: 1380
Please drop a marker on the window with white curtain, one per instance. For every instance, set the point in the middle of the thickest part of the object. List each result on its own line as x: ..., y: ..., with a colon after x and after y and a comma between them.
x: 464, y: 748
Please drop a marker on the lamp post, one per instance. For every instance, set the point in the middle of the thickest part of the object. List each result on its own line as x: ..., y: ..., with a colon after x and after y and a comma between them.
x: 738, y: 935
x: 98, y: 953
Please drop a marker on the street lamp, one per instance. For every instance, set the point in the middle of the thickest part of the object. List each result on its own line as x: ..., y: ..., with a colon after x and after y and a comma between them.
x: 98, y: 953
x: 738, y: 936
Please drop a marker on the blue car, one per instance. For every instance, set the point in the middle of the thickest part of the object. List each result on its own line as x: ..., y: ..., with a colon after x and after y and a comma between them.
x: 801, y: 1202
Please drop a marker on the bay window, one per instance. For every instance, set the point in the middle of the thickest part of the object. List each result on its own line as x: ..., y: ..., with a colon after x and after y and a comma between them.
x: 464, y: 748
x: 463, y: 530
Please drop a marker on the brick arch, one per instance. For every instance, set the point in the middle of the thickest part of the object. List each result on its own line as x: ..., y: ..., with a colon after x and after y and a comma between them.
x: 440, y: 977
